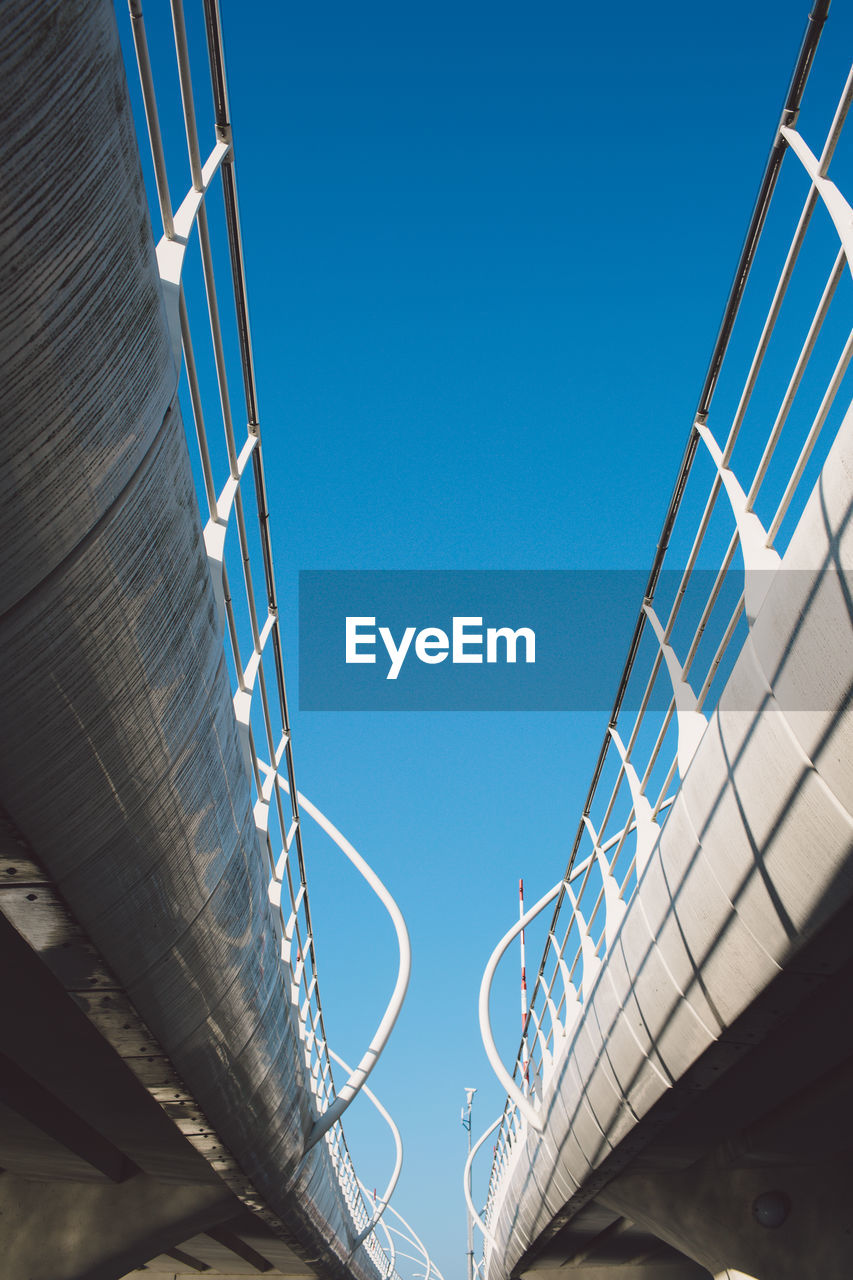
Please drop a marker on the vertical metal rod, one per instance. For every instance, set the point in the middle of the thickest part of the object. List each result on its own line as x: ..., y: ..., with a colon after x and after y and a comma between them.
x: 525, y: 1050
x: 297, y: 930
x: 466, y: 1120
x: 790, y: 111
x: 146, y: 82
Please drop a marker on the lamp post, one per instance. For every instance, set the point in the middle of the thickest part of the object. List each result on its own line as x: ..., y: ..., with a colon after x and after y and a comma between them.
x: 466, y: 1121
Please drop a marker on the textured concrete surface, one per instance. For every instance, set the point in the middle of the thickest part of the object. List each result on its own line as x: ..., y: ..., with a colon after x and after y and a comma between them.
x: 119, y: 761
x: 753, y: 863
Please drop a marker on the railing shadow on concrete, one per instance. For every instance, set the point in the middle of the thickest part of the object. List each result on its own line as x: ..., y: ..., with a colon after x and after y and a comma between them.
x: 249, y: 621
x: 750, y: 679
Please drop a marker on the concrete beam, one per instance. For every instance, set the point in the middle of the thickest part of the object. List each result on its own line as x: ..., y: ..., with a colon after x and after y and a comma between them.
x: 772, y: 1222
x: 99, y: 1231
x: 666, y: 1270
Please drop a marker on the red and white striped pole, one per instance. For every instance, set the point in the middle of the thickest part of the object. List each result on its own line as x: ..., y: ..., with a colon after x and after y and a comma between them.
x: 524, y: 1050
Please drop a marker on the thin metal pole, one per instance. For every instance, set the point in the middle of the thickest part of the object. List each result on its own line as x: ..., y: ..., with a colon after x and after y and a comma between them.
x: 525, y: 1051
x: 466, y: 1120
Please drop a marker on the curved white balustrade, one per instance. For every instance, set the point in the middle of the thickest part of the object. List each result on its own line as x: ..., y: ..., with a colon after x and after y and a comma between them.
x: 271, y: 781
x: 614, y: 908
x: 412, y: 1238
x: 392, y: 1248
x: 398, y: 1151
x: 655, y: 752
x: 370, y: 1057
x: 526, y: 1107
x: 466, y: 1180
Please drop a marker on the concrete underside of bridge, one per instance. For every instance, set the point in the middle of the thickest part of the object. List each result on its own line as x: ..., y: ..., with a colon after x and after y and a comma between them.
x: 96, y: 1178
x: 154, y: 1078
x: 772, y: 1131
x: 705, y: 1091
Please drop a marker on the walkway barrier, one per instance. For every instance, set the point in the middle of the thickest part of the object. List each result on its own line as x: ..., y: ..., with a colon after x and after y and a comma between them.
x: 755, y: 448
x: 211, y: 338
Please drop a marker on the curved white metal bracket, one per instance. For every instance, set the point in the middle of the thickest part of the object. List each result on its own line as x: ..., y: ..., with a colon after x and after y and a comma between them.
x: 647, y: 829
x: 370, y: 1057
x: 466, y: 1182
x: 398, y: 1147
x: 836, y: 206
x: 615, y: 907
x: 760, y: 562
x: 614, y: 904
x: 524, y: 1104
x: 242, y: 702
x: 391, y: 1256
x: 414, y: 1238
x: 544, y: 1051
x: 573, y: 1000
x: 172, y: 249
x: 392, y: 1248
x: 580, y: 867
x: 217, y: 527
x: 691, y: 722
x: 591, y: 962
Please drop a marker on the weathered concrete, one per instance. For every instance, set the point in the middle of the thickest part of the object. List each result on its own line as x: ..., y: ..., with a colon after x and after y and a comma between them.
x: 95, y: 1231
x: 707, y: 1213
x: 652, y: 1270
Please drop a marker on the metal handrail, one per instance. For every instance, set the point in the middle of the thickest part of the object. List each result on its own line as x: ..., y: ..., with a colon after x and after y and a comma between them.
x: 527, y: 1109
x: 466, y: 1180
x: 414, y: 1238
x: 274, y: 778
x: 790, y: 110
x: 358, y: 1076
x: 614, y: 909
x: 398, y: 1152
x: 604, y: 880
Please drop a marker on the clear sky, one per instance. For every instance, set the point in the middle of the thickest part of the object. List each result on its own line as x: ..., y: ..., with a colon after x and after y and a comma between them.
x: 487, y: 248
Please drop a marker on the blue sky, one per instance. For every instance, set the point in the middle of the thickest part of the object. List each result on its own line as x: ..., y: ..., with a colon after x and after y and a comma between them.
x: 487, y: 251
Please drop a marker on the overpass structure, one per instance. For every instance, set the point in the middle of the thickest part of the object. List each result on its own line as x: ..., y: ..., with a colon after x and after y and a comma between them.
x: 168, y: 1099
x: 680, y: 1105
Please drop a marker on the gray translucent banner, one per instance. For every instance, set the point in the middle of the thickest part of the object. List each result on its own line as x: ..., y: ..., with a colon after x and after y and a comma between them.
x: 543, y: 640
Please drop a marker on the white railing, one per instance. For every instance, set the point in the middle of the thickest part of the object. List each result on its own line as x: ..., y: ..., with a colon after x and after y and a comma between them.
x: 734, y: 507
x: 200, y: 238
x: 408, y: 1236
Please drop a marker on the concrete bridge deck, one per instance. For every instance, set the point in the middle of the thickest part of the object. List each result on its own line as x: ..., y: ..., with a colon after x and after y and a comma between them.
x: 680, y: 1105
x: 710, y: 1062
x: 165, y: 1083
